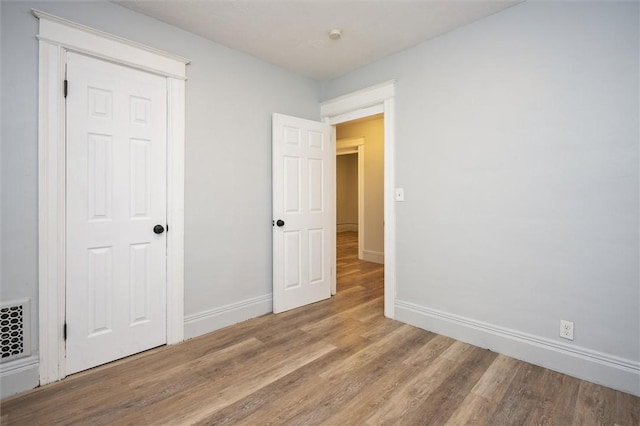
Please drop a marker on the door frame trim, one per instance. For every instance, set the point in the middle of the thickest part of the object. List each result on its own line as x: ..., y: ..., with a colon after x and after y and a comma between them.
x: 365, y: 103
x: 56, y: 37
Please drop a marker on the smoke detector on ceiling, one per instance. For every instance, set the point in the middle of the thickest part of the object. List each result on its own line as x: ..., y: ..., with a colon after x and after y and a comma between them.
x: 335, y: 34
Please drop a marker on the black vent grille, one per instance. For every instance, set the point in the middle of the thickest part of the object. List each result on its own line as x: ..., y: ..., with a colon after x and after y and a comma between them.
x: 13, y: 339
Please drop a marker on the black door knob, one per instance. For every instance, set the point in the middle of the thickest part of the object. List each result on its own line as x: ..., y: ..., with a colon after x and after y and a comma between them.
x: 280, y: 223
x: 158, y: 229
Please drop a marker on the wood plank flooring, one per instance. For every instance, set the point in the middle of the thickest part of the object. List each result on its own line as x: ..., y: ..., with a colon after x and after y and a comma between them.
x: 337, y: 362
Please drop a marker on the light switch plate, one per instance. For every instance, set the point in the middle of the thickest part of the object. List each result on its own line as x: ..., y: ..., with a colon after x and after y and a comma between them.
x: 399, y: 194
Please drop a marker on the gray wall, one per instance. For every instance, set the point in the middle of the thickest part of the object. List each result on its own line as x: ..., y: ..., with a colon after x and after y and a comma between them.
x: 230, y: 99
x: 517, y: 146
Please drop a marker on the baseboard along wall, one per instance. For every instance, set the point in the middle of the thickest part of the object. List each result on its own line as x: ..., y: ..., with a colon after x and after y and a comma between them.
x: 373, y: 256
x: 604, y: 369
x: 600, y: 368
x: 347, y: 227
x: 19, y: 375
x: 22, y: 374
x: 217, y: 318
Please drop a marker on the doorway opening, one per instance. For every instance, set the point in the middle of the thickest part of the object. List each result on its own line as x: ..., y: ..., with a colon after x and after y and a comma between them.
x: 350, y: 184
x: 378, y: 99
x: 360, y: 203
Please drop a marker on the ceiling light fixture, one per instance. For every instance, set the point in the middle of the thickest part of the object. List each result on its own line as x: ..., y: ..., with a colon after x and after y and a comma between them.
x: 335, y: 34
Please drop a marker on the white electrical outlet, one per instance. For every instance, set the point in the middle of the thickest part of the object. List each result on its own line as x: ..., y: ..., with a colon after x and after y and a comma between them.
x: 566, y: 329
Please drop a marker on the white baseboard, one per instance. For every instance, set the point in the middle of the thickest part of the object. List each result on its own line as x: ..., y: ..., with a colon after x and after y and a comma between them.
x: 19, y: 375
x: 373, y: 256
x: 593, y: 366
x: 23, y: 374
x: 217, y: 318
x: 347, y: 227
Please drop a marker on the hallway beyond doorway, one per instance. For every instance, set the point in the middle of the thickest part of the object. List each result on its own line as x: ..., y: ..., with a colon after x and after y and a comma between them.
x: 352, y: 272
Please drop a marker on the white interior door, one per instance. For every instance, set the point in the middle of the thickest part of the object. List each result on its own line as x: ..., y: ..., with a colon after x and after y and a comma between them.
x: 303, y: 211
x: 116, y: 195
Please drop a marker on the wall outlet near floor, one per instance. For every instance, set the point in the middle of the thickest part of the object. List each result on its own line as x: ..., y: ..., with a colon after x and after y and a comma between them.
x: 566, y: 329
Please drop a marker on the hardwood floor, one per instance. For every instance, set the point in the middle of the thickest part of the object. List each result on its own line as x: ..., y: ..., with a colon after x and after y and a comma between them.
x: 336, y: 362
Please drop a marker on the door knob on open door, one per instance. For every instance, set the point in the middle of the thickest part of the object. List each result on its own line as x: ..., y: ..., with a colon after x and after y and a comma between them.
x: 280, y: 223
x: 158, y: 229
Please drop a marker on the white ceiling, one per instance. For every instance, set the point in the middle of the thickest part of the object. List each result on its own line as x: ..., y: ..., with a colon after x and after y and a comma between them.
x: 294, y: 34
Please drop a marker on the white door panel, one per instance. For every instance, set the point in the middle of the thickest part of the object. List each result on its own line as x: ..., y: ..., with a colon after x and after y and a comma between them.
x: 302, y: 154
x: 116, y: 194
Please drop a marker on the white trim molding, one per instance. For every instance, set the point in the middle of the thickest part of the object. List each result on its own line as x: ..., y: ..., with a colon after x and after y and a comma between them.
x: 18, y: 375
x: 372, y: 97
x: 348, y: 146
x: 587, y: 364
x: 347, y: 227
x: 364, y: 103
x: 217, y: 318
x: 56, y: 37
x: 373, y: 256
x: 82, y: 39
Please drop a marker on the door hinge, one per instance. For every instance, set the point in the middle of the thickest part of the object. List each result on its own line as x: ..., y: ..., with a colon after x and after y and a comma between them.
x: 65, y: 87
x: 64, y: 331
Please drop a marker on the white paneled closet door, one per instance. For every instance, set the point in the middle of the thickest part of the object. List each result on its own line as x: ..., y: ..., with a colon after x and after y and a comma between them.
x: 116, y: 186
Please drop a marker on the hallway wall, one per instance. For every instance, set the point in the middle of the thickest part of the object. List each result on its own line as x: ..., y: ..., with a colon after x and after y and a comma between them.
x: 347, y: 192
x: 372, y: 129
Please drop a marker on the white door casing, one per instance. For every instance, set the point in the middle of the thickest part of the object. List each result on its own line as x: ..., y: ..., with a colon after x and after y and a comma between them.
x: 365, y: 103
x: 303, y: 178
x: 116, y: 194
x: 57, y: 37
